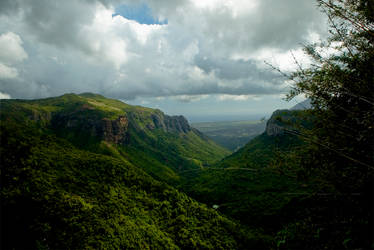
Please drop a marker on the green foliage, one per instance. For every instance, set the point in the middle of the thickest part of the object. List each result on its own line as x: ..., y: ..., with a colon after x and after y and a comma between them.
x: 340, y: 156
x: 54, y: 195
x: 78, y: 118
x: 247, y: 186
x: 341, y: 87
x: 275, y: 184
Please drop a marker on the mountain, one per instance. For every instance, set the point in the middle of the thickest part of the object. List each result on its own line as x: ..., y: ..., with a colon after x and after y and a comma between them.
x: 69, y: 179
x: 306, y: 104
x: 275, y: 184
x: 162, y: 145
x: 88, y: 172
x: 250, y: 185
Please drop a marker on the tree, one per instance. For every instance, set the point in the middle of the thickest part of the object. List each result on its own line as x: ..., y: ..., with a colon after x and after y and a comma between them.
x: 340, y: 85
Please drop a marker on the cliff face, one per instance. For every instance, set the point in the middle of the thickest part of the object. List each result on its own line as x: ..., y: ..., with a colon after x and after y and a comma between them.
x: 117, y: 131
x: 113, y: 131
x: 164, y: 146
x: 86, y: 120
x: 281, y: 121
x: 171, y: 124
x: 273, y: 129
x: 273, y: 125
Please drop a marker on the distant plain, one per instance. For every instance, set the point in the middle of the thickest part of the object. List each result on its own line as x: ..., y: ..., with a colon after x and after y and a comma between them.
x: 231, y: 134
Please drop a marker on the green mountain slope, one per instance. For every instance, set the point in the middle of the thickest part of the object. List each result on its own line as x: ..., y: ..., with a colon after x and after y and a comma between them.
x: 248, y: 185
x: 276, y: 184
x: 56, y: 196
x: 163, y: 145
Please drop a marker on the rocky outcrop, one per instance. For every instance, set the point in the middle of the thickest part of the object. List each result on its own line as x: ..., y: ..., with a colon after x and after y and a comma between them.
x: 178, y: 124
x: 171, y: 124
x: 113, y: 131
x: 279, y: 122
x: 273, y: 129
x: 40, y: 116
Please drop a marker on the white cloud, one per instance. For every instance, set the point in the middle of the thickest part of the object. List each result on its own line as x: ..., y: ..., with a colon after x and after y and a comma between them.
x: 236, y: 7
x: 226, y: 97
x: 11, y: 53
x: 189, y: 98
x: 11, y: 50
x: 284, y: 60
x: 103, y: 41
x: 115, y: 38
x: 7, y: 72
x: 213, y: 47
x: 142, y: 31
x: 4, y: 96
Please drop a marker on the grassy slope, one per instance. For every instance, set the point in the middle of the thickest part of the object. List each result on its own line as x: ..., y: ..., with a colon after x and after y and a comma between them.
x: 248, y: 185
x: 161, y: 154
x: 57, y: 196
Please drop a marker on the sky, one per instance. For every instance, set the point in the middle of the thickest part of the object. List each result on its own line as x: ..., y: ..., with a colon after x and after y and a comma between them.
x: 204, y: 59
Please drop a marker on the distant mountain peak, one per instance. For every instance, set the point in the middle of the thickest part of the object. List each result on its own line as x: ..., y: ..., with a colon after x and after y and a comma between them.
x: 306, y: 104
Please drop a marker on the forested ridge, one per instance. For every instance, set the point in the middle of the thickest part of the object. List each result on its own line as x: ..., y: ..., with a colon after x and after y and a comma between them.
x: 56, y: 196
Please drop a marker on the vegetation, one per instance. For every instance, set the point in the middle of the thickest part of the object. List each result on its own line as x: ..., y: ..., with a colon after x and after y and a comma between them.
x: 54, y: 195
x: 330, y: 175
x: 249, y: 185
x: 84, y: 171
x: 83, y: 120
x: 341, y: 88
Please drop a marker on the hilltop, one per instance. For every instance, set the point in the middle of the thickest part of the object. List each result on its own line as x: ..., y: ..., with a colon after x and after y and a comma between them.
x: 74, y: 177
x: 162, y: 145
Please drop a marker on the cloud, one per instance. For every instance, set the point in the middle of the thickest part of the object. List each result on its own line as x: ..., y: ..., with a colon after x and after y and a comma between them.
x: 11, y: 50
x: 226, y: 97
x: 189, y: 98
x: 9, y: 6
x: 4, y: 96
x: 7, y: 72
x: 210, y: 47
x: 11, y: 53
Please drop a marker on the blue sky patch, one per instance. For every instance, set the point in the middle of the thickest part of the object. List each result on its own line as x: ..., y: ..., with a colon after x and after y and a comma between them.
x: 140, y: 13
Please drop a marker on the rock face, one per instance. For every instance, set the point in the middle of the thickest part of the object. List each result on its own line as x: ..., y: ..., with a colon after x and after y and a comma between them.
x: 279, y: 122
x: 113, y: 131
x: 177, y: 124
x: 87, y: 121
x: 171, y: 124
x: 40, y: 116
x: 273, y: 129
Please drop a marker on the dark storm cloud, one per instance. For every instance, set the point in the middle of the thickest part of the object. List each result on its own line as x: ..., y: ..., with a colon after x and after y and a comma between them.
x: 53, y: 22
x: 229, y: 69
x: 272, y: 24
x: 9, y: 7
x: 285, y: 24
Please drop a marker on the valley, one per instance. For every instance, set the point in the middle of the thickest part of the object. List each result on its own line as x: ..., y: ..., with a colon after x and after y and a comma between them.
x: 229, y: 125
x: 231, y: 134
x: 84, y: 171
